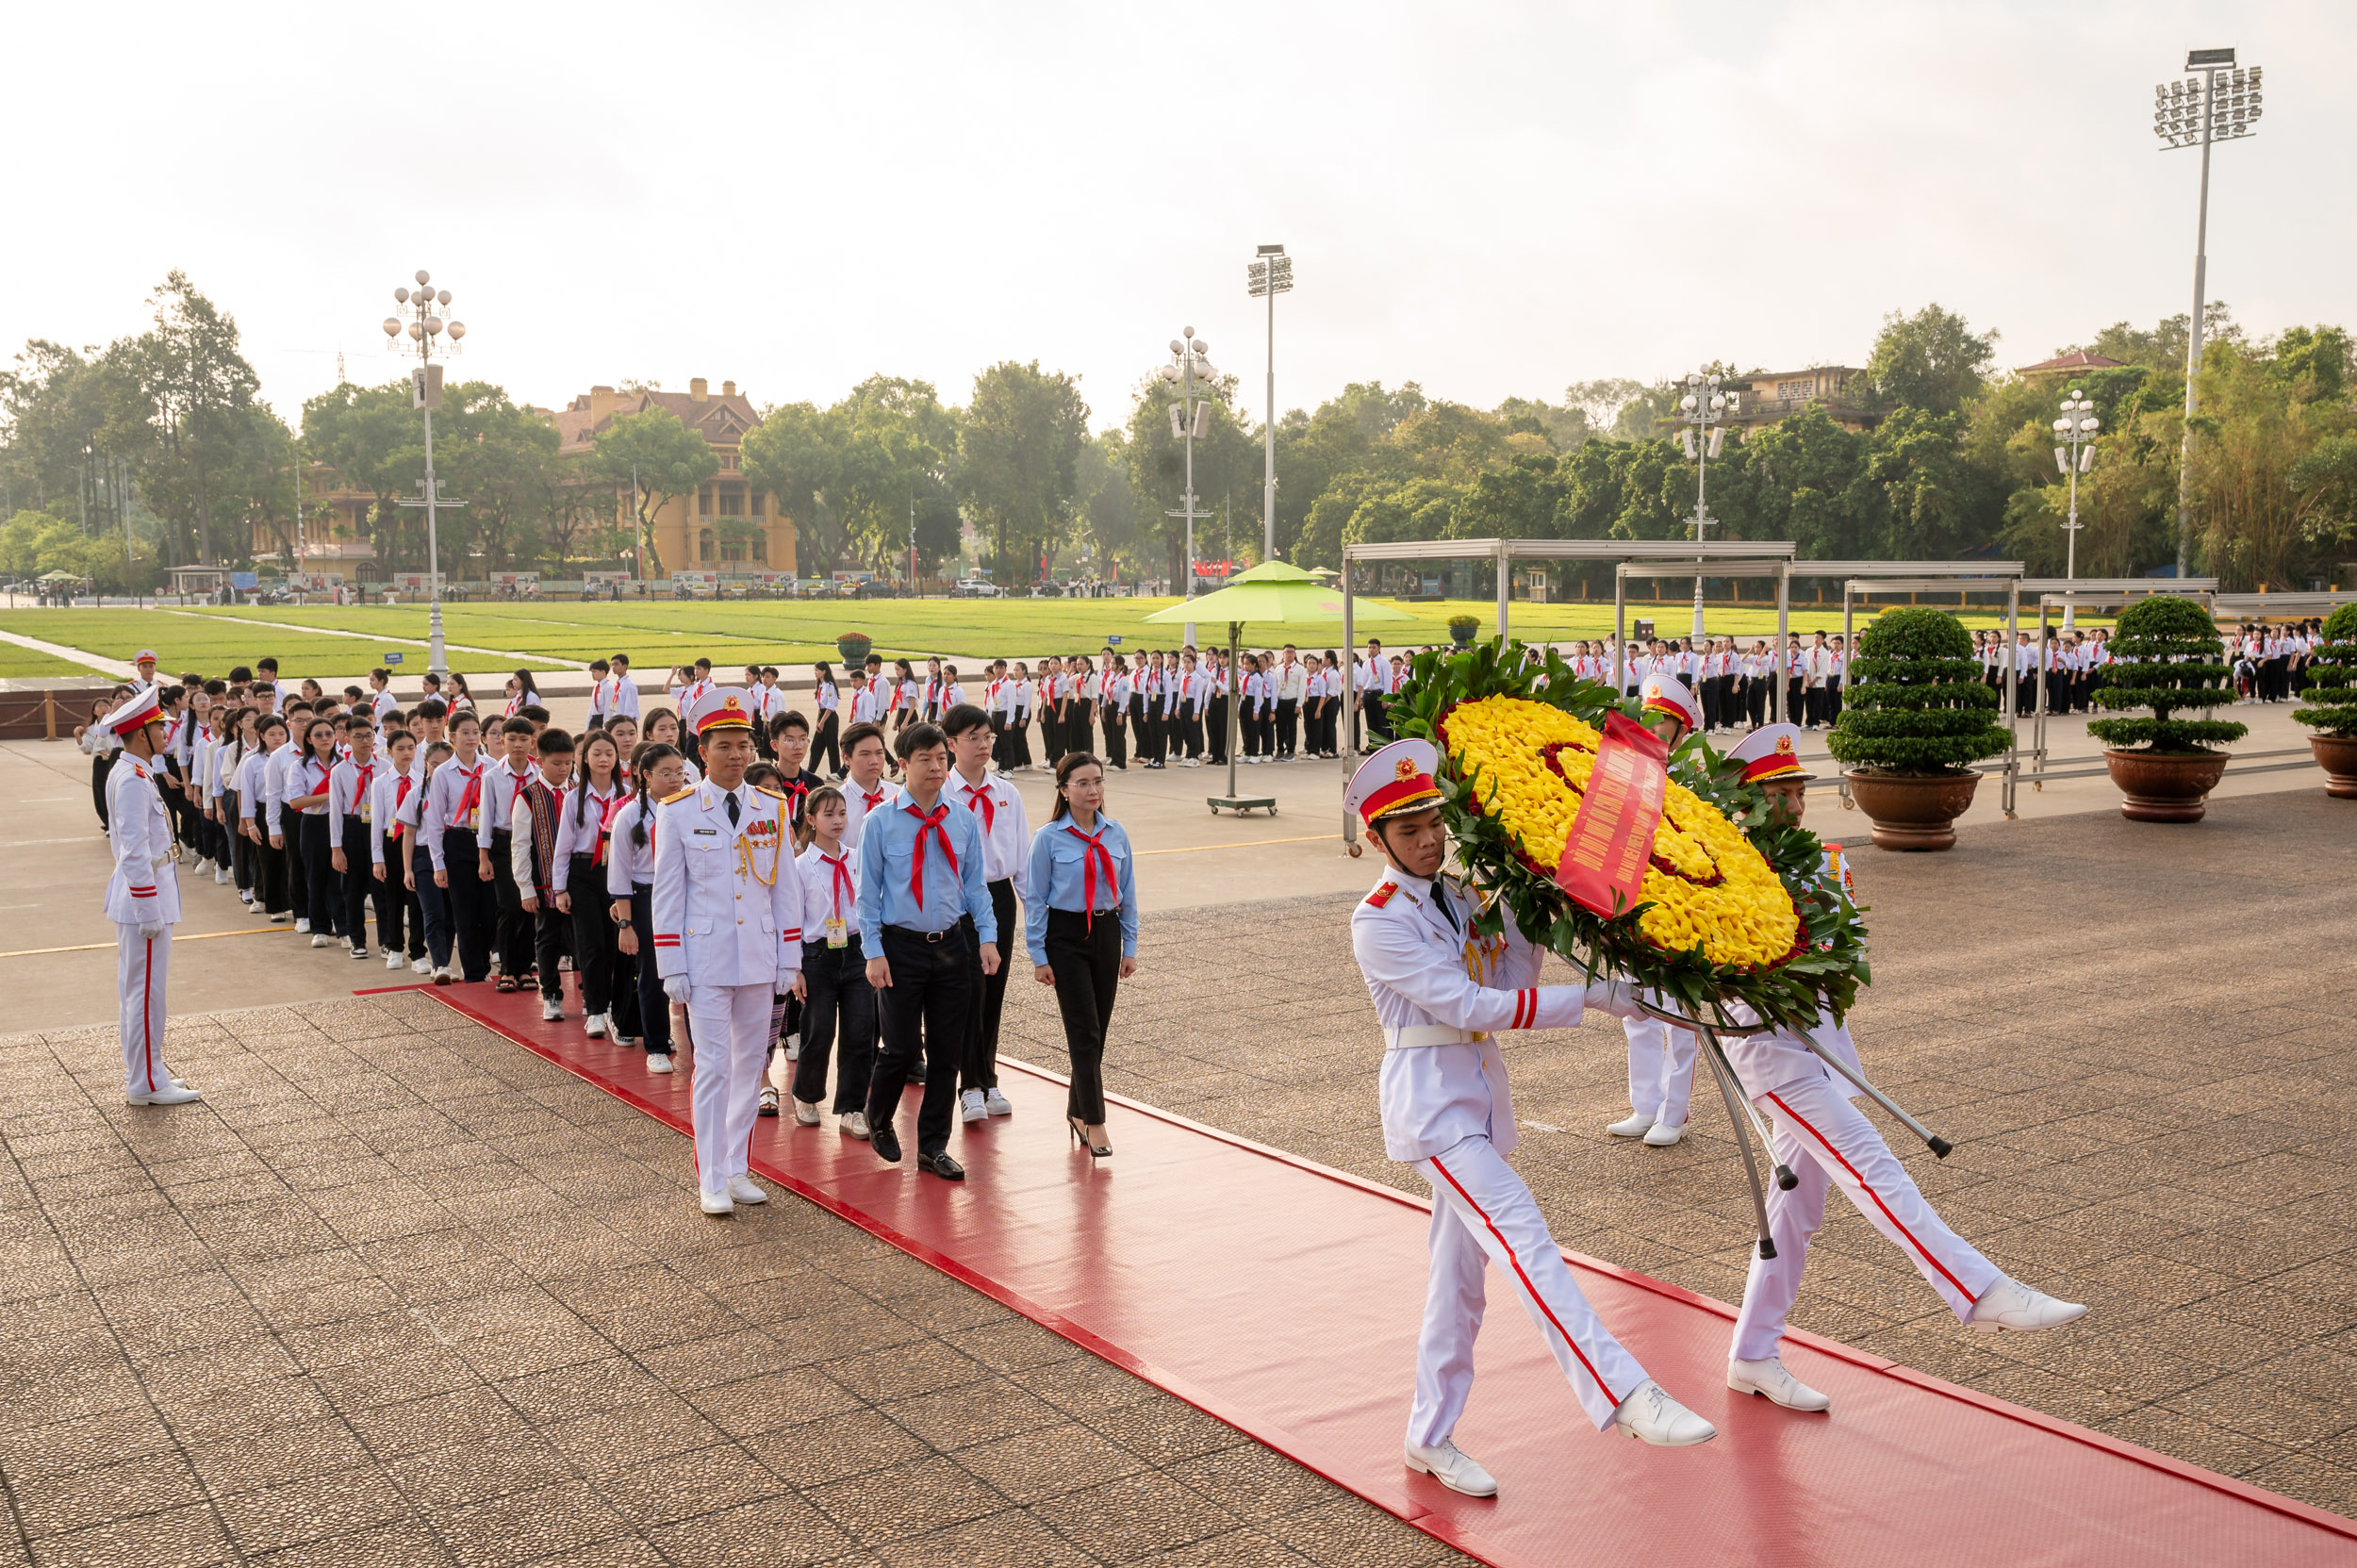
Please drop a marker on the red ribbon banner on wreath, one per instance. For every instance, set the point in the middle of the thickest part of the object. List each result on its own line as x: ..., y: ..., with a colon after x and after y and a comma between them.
x: 1610, y: 843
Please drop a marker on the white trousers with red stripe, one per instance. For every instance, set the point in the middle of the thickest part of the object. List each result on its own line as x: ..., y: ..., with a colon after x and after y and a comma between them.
x: 1660, y: 1069
x: 1828, y: 1140
x: 730, y: 1025
x: 1482, y: 1213
x: 141, y: 965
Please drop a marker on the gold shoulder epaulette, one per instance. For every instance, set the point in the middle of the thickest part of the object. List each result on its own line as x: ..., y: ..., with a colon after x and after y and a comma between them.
x: 773, y: 794
x: 680, y: 796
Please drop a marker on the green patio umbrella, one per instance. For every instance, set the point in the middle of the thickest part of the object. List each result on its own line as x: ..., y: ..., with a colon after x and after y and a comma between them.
x: 1271, y: 591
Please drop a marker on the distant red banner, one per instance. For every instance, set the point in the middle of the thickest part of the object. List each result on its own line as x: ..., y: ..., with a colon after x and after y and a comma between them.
x: 1603, y: 861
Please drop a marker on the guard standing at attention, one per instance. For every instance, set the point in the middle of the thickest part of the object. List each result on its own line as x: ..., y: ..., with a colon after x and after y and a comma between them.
x: 142, y: 898
x: 1825, y: 1140
x: 1440, y: 990
x: 728, y: 936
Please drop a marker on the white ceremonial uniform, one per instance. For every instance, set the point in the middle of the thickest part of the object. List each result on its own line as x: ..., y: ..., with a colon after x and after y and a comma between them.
x: 731, y: 926
x: 143, y: 901
x: 1446, y: 1109
x: 1826, y: 1140
x: 1660, y: 1069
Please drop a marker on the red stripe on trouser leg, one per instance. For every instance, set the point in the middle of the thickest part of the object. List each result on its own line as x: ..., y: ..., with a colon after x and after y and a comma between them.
x: 147, y: 1011
x: 1529, y: 1289
x: 1802, y: 1123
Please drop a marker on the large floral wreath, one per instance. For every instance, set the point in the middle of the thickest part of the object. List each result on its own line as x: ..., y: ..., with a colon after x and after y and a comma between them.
x: 1735, y: 909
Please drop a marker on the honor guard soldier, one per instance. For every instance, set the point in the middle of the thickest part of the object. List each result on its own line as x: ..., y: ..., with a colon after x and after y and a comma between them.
x: 1660, y: 1058
x: 728, y: 936
x: 1825, y: 1140
x: 142, y: 898
x: 1440, y: 992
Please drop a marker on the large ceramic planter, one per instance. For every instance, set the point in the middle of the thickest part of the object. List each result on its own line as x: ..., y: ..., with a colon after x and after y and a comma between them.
x: 1913, y: 811
x: 2157, y: 787
x: 2338, y: 756
x: 853, y: 650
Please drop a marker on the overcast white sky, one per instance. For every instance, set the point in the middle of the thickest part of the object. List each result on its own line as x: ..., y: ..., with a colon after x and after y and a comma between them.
x: 1489, y: 199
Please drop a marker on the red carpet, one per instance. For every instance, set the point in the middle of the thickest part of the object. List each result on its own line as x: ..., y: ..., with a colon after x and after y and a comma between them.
x: 1284, y: 1299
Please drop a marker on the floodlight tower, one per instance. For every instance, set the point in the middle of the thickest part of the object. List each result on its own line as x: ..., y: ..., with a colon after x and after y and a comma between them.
x: 1703, y: 408
x: 2215, y: 101
x: 2075, y: 430
x: 1266, y: 278
x: 426, y: 327
x: 1190, y: 371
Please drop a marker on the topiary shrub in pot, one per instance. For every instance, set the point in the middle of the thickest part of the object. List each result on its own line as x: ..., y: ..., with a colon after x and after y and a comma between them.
x: 2330, y: 704
x: 1461, y: 628
x: 2166, y: 658
x: 1915, y: 718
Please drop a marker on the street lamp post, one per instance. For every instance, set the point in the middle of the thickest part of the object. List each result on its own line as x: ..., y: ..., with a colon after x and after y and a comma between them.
x: 1702, y: 409
x: 1266, y: 278
x: 2220, y: 103
x: 1191, y: 372
x: 425, y: 326
x: 2075, y: 430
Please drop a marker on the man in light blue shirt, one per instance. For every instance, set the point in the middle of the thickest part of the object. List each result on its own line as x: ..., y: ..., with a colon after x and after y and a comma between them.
x: 923, y: 902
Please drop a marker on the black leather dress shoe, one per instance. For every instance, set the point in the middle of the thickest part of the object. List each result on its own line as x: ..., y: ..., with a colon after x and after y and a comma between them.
x: 886, y: 1144
x: 943, y: 1165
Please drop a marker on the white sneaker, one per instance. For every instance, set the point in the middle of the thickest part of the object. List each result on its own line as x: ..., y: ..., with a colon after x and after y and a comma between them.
x: 1453, y: 1468
x: 1663, y: 1134
x: 221, y: 876
x: 716, y: 1204
x: 280, y: 919
x: 392, y: 960
x: 742, y: 1189
x: 996, y: 1104
x: 170, y: 1093
x: 805, y: 1113
x: 1652, y: 1416
x: 551, y: 1010
x: 853, y: 1125
x: 2010, y: 1304
x: 442, y: 975
x: 971, y: 1107
x: 422, y: 967
x: 1770, y: 1381
x: 1637, y: 1126
x: 361, y: 951
x: 303, y: 925
x: 319, y: 941
x: 658, y: 1062
x: 793, y: 1048
x: 594, y: 1026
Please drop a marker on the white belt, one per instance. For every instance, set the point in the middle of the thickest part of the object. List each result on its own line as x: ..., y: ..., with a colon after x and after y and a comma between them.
x: 1413, y: 1036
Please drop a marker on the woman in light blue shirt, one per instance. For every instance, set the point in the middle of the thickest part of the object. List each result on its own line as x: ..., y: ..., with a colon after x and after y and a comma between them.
x: 1080, y: 867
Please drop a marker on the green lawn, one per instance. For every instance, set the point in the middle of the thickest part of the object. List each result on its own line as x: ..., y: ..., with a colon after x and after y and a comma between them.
x: 24, y: 664
x: 660, y: 633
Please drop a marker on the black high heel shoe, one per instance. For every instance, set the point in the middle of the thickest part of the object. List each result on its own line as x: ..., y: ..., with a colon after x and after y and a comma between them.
x: 1079, y: 1135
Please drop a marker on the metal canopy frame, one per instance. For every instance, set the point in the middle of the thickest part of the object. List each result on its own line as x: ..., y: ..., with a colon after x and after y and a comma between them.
x: 2264, y: 606
x: 1957, y: 577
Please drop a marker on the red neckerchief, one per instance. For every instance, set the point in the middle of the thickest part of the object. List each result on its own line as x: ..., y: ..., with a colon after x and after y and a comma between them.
x: 607, y: 806
x: 360, y: 778
x: 1094, y: 852
x: 839, y: 880
x: 325, y: 768
x: 978, y: 798
x: 872, y: 801
x: 927, y: 823
x: 471, y: 798
x: 401, y: 791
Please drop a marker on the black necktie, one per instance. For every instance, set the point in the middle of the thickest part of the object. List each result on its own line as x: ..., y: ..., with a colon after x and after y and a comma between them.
x: 1440, y: 896
x: 731, y: 799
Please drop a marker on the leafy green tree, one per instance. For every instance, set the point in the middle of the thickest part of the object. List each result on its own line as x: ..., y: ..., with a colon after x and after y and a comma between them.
x: 1019, y: 453
x: 668, y: 461
x: 2167, y: 659
x: 375, y: 442
x: 200, y: 393
x: 896, y: 451
x: 1931, y: 360
x: 501, y: 461
x: 795, y: 454
x: 1106, y: 507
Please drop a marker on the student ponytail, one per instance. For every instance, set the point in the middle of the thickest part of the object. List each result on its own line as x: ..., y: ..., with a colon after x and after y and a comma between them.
x: 642, y: 763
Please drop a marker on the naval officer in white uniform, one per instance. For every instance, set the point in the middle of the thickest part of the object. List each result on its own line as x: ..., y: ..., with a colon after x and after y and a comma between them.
x: 1440, y: 992
x: 1660, y: 1058
x: 728, y: 936
x: 142, y: 898
x: 1827, y: 1141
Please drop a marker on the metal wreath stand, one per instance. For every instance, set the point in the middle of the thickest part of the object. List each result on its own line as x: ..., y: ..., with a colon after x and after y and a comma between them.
x: 1731, y: 1089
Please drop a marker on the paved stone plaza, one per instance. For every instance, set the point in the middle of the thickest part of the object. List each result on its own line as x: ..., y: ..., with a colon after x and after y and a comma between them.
x: 403, y: 1292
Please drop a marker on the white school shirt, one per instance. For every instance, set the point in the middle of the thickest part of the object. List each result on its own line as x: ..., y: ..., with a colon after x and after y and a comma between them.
x: 824, y: 897
x: 502, y: 787
x: 856, y: 804
x: 863, y: 706
x: 254, y: 771
x: 825, y: 696
x: 280, y: 775
x: 439, y: 813
x: 309, y: 776
x: 579, y: 833
x: 350, y: 795
x: 629, y: 866
x: 379, y: 706
x: 953, y: 696
x: 389, y: 806
x: 1007, y: 840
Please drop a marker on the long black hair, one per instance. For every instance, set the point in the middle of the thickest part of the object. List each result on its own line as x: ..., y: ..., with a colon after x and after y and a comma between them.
x: 642, y: 763
x: 581, y: 795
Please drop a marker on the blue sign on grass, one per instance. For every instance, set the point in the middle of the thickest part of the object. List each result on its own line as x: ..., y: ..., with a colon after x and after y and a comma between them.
x: 1113, y: 642
x: 392, y: 658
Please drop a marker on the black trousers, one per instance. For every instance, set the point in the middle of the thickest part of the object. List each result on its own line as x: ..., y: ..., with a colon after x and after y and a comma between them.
x: 298, y: 877
x: 516, y: 937
x: 1377, y: 725
x: 1189, y: 728
x: 1152, y: 743
x: 1215, y: 721
x: 841, y: 1003
x: 923, y: 1013
x: 826, y: 758
x: 655, y: 1007
x: 552, y: 939
x: 99, y: 769
x: 1086, y: 957
x: 1050, y: 734
x: 998, y: 740
x: 1288, y: 715
x: 1116, y: 744
x: 1794, y: 707
x: 596, y: 958
x: 474, y: 907
x: 361, y: 888
x: 980, y: 1069
x: 269, y: 881
x: 1833, y: 699
x: 431, y: 910
x: 324, y: 890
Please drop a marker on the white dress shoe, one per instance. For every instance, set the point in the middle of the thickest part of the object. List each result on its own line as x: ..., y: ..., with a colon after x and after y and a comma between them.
x: 742, y: 1189
x: 658, y: 1062
x: 854, y: 1124
x: 1637, y: 1125
x: 971, y: 1107
x: 716, y: 1204
x: 1770, y: 1381
x: 170, y: 1093
x: 2010, y: 1304
x: 1652, y: 1416
x: 1663, y: 1134
x: 996, y: 1104
x: 1453, y: 1468
x: 594, y: 1026
x: 805, y: 1113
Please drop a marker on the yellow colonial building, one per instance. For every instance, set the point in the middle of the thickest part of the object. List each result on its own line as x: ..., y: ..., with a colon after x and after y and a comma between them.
x: 729, y: 526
